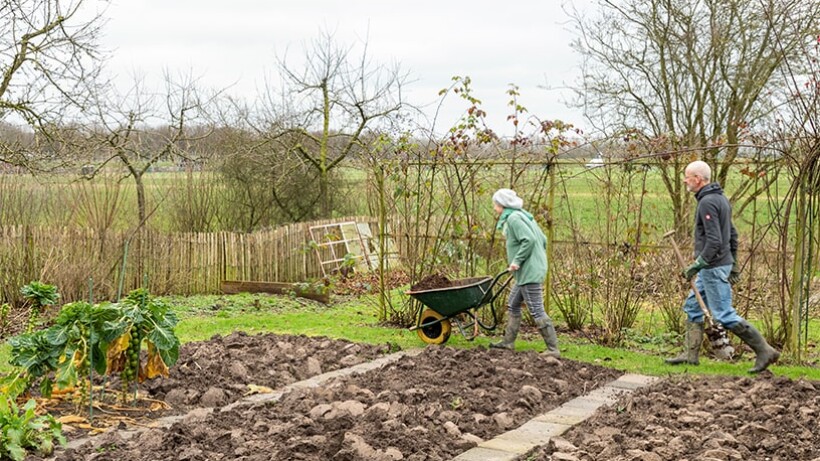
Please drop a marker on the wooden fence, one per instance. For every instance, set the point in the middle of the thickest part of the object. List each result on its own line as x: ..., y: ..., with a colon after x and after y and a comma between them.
x: 178, y: 263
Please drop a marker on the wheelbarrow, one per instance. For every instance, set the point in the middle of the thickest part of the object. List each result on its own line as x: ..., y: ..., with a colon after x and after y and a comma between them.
x: 459, y: 304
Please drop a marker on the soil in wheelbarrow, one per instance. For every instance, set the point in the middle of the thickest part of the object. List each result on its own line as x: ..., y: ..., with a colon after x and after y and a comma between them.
x: 761, y: 419
x: 432, y: 282
x: 429, y: 407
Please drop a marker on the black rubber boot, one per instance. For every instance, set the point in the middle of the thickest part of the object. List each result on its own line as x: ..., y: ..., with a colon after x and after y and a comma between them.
x: 513, y: 325
x: 765, y: 354
x: 547, y: 331
x: 694, y: 340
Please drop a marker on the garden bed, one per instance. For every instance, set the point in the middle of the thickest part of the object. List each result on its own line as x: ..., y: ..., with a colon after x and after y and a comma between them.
x: 429, y: 407
x: 219, y: 371
x: 689, y: 418
x: 210, y: 374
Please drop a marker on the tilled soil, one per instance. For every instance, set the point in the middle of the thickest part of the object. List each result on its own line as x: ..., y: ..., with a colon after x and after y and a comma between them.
x: 219, y: 371
x: 429, y: 407
x: 706, y: 419
x: 214, y: 373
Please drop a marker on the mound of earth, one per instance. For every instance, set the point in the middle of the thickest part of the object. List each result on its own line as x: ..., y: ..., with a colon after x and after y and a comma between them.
x: 216, y: 372
x: 687, y: 418
x: 429, y: 407
x: 432, y: 282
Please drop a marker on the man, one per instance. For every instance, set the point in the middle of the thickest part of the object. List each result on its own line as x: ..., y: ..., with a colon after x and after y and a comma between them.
x: 527, y: 257
x: 715, y: 269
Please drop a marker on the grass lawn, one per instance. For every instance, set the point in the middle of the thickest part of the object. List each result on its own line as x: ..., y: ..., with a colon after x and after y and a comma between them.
x: 201, y: 317
x: 355, y: 320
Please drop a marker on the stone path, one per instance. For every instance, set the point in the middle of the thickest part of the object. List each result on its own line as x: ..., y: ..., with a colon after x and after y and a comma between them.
x: 513, y: 445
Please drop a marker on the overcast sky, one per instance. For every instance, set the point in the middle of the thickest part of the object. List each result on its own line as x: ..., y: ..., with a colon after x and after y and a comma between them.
x: 235, y: 43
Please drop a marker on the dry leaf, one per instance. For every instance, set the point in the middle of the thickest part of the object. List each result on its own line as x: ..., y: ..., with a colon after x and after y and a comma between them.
x: 68, y: 419
x: 116, y: 356
x: 154, y: 366
x: 254, y: 389
x: 156, y: 406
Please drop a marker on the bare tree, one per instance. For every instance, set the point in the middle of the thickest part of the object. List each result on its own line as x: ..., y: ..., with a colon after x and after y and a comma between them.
x: 48, y: 61
x: 325, y: 108
x: 689, y: 75
x: 796, y: 138
x: 140, y: 128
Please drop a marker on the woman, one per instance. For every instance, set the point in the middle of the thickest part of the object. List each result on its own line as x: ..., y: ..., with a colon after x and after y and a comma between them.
x: 527, y: 257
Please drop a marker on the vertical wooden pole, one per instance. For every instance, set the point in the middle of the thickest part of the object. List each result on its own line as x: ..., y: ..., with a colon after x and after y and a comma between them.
x: 550, y: 237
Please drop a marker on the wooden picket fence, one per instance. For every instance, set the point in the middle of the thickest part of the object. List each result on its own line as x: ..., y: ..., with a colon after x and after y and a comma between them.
x: 177, y: 263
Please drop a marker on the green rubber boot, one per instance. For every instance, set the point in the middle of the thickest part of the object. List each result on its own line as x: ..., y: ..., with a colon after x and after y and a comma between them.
x: 547, y: 331
x: 765, y: 354
x: 513, y: 325
x: 694, y: 340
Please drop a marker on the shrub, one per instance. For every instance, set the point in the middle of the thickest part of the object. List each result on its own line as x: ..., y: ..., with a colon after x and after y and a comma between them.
x: 20, y: 432
x: 40, y: 295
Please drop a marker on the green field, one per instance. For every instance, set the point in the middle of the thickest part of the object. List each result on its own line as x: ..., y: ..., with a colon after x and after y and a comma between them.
x: 584, y: 199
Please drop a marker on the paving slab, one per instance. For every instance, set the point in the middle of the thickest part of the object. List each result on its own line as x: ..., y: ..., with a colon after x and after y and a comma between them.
x: 585, y: 404
x: 633, y: 381
x: 561, y: 418
x: 538, y: 430
x: 607, y: 394
x: 518, y: 447
x: 570, y: 411
x: 529, y: 435
x: 486, y: 454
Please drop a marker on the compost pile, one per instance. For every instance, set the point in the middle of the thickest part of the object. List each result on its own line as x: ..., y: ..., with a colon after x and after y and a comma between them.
x: 360, y: 283
x: 686, y: 418
x: 432, y: 282
x: 219, y: 371
x: 429, y: 407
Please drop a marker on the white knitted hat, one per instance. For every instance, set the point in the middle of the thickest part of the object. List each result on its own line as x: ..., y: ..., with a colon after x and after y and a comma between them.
x: 508, y: 199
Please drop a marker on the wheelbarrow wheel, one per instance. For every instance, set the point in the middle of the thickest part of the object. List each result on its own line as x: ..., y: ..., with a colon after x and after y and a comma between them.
x: 438, y: 333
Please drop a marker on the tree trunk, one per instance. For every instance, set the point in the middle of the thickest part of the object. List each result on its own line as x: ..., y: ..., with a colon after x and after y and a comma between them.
x: 142, y: 213
x: 324, y: 193
x: 140, y: 199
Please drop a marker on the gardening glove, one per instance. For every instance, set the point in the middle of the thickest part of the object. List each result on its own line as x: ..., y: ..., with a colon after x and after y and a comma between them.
x: 734, y: 275
x: 694, y: 268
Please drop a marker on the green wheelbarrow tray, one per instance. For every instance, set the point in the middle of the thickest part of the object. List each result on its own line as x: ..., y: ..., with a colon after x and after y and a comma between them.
x: 464, y: 296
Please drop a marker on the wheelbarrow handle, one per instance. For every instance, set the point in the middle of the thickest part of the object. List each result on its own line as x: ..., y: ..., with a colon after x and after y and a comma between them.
x: 500, y: 274
x: 489, y: 296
